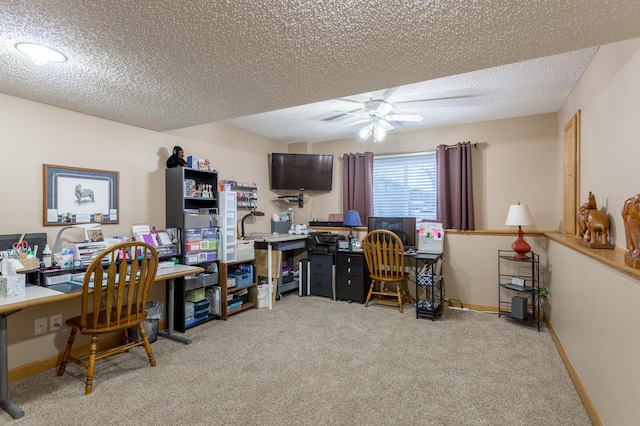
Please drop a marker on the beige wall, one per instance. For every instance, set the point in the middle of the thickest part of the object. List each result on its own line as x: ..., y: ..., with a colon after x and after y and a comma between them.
x: 595, y: 309
x: 608, y: 94
x: 514, y: 161
x: 517, y: 160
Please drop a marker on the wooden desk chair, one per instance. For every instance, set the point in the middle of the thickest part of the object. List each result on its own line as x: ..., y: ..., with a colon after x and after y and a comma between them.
x: 116, y: 305
x: 384, y: 253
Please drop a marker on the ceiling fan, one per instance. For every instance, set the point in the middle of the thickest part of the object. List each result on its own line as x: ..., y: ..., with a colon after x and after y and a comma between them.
x: 378, y: 114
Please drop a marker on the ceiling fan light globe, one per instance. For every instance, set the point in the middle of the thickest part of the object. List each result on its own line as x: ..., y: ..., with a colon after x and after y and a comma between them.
x: 379, y: 133
x: 365, y: 132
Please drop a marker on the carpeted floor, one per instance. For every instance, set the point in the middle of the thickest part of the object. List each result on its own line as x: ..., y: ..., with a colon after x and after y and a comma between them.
x: 314, y: 361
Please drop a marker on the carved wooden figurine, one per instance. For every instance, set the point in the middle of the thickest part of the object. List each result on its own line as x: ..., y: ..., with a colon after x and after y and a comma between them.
x: 631, y: 220
x: 594, y: 225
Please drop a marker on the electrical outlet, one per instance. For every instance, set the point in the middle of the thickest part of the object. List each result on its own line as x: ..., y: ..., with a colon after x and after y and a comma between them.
x: 40, y: 326
x: 55, y: 322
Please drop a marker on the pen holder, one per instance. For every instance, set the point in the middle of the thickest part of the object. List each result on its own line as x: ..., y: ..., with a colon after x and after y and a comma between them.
x: 29, y: 263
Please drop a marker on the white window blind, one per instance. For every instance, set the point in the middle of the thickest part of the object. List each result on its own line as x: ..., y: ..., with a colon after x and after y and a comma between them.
x: 405, y: 185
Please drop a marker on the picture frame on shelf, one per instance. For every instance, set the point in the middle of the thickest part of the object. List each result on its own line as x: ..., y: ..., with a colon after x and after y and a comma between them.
x: 94, y: 235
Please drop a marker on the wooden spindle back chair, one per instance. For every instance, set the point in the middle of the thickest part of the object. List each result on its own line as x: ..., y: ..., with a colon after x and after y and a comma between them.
x: 114, y: 296
x: 384, y: 253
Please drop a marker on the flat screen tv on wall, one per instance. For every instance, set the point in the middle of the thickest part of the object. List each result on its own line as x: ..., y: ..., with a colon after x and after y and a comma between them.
x: 301, y: 172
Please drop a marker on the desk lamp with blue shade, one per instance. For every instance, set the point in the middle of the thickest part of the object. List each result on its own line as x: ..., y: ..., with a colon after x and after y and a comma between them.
x: 351, y: 219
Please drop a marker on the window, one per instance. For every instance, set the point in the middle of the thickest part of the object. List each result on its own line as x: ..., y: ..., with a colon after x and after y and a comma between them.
x: 405, y: 185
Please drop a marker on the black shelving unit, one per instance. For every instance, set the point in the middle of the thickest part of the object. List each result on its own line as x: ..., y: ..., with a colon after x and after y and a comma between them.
x: 429, y: 279
x: 519, y: 288
x: 187, y: 193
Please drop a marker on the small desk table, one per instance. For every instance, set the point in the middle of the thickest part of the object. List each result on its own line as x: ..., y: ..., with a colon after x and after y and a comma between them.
x: 431, y: 305
x: 280, y: 243
x: 36, y: 295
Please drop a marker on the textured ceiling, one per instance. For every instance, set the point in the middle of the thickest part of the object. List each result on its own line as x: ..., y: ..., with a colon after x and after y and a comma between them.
x: 177, y: 63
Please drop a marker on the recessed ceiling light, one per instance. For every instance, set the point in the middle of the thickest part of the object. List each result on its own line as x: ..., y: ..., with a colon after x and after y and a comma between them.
x: 40, y: 54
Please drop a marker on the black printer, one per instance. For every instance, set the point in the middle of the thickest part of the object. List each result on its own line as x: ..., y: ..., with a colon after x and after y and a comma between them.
x: 324, y: 242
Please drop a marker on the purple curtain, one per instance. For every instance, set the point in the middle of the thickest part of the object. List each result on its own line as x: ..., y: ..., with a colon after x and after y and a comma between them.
x: 455, y: 188
x: 357, y: 184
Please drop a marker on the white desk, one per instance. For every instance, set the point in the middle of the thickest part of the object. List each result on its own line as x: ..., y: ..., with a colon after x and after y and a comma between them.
x: 36, y: 295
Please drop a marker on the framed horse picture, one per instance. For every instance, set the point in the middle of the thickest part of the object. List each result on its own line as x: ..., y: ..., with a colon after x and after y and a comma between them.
x: 75, y: 195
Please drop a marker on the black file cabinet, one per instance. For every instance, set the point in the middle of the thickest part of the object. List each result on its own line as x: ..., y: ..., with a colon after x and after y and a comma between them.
x: 321, y: 274
x: 352, y: 277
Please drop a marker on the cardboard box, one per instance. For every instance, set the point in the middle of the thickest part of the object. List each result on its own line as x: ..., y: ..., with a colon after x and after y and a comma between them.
x: 12, y: 285
x: 262, y: 265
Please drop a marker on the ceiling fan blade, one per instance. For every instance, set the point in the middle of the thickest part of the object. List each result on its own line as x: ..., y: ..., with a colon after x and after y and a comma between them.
x: 364, y: 120
x: 384, y: 108
x: 443, y: 98
x: 340, y: 114
x: 349, y: 100
x: 359, y: 114
x: 395, y: 117
x: 388, y: 92
x: 387, y: 126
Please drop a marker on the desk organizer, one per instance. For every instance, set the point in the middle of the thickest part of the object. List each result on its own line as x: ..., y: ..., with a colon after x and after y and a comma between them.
x: 29, y: 264
x: 57, y: 279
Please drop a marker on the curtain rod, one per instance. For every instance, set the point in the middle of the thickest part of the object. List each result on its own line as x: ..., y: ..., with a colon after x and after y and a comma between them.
x: 359, y: 154
x: 393, y: 153
x: 473, y: 144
